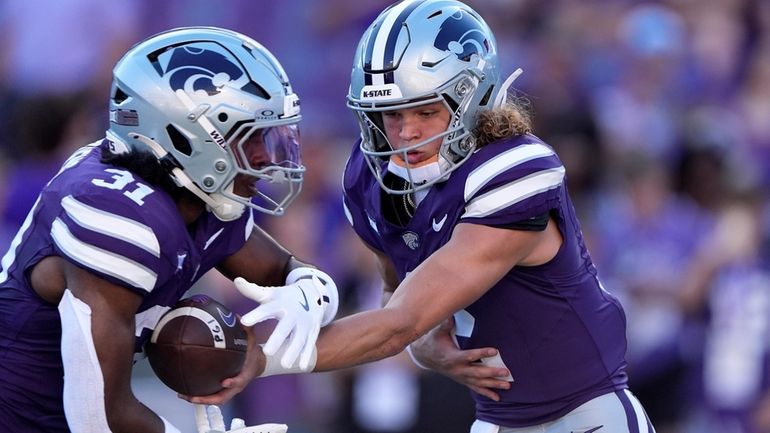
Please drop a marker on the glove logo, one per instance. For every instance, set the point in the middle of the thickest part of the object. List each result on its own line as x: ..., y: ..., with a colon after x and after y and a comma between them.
x: 306, y: 304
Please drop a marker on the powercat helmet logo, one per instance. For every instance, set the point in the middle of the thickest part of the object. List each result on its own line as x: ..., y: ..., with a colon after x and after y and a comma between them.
x: 462, y: 34
x: 194, y: 68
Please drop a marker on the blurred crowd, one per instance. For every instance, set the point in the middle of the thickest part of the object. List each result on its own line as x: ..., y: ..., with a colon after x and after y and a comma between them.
x: 660, y: 111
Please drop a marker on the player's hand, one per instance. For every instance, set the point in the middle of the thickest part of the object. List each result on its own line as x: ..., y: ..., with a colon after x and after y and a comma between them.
x: 208, y: 419
x: 438, y: 351
x: 300, y: 308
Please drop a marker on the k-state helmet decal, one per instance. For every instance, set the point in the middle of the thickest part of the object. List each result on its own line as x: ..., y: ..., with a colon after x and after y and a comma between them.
x: 463, y: 35
x: 195, y: 68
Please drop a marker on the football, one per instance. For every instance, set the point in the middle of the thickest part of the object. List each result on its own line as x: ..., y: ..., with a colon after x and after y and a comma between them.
x: 196, y: 345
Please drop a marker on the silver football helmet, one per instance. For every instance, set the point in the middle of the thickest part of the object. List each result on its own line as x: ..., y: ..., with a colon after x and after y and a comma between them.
x: 194, y: 97
x: 419, y: 52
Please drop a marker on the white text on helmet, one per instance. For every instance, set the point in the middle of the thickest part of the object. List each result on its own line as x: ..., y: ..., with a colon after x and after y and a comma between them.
x: 387, y: 91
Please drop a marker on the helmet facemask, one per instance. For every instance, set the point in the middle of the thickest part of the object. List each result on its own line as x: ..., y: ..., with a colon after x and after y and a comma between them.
x: 268, y: 159
x: 457, y: 140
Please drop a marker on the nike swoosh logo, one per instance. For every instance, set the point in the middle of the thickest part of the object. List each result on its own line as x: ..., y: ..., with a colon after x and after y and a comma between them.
x: 437, y: 226
x: 589, y: 430
x: 305, y: 304
x: 229, y: 319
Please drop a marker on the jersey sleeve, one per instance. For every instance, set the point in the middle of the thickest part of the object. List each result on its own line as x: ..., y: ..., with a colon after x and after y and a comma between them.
x: 221, y: 239
x: 354, y: 199
x: 110, y: 235
x: 514, y: 185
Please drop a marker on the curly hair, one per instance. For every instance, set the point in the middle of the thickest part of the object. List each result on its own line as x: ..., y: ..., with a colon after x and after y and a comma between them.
x: 513, y: 118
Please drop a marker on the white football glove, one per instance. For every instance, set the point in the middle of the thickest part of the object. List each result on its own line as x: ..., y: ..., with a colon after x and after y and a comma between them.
x: 209, y: 419
x: 307, y: 302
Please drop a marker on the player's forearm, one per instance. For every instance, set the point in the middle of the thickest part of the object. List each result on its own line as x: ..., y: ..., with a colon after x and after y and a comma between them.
x: 363, y: 337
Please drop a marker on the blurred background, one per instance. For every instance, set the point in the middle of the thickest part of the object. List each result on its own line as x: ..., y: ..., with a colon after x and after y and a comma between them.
x: 660, y: 111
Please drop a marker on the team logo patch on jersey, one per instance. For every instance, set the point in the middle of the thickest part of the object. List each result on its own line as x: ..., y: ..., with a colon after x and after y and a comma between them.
x: 462, y: 34
x: 411, y: 240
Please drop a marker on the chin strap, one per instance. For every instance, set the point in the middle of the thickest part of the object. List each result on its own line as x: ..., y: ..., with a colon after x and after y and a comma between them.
x: 223, y: 210
x: 502, y: 95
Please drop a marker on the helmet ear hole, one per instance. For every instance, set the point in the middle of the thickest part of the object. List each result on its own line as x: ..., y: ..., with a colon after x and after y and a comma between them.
x: 119, y: 96
x: 453, y: 105
x: 486, y: 97
x: 180, y: 142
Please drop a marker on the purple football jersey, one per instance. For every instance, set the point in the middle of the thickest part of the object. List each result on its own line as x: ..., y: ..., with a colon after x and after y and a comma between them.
x: 558, y: 331
x: 108, y: 221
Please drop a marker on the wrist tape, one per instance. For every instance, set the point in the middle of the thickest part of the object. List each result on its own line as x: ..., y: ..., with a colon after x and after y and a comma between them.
x: 273, y: 365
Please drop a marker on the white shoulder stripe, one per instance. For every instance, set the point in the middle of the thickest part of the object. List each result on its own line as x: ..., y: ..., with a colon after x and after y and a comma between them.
x: 514, y: 192
x: 109, y: 224
x: 101, y: 260
x: 511, y: 158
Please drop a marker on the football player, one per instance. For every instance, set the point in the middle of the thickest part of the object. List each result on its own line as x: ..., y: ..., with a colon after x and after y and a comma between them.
x: 468, y: 214
x: 203, y: 130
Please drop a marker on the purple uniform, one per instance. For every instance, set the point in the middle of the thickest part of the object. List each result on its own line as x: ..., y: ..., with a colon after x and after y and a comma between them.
x: 106, y: 220
x: 558, y: 332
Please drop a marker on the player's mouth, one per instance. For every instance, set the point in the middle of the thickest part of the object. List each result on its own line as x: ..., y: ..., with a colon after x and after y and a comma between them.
x: 245, y: 186
x: 252, y: 186
x: 414, y: 156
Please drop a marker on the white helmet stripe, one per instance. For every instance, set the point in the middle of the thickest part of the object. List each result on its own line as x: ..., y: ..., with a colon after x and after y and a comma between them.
x: 382, y: 47
x: 383, y: 33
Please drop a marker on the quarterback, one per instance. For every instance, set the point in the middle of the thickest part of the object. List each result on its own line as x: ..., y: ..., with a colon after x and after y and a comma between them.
x: 468, y: 214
